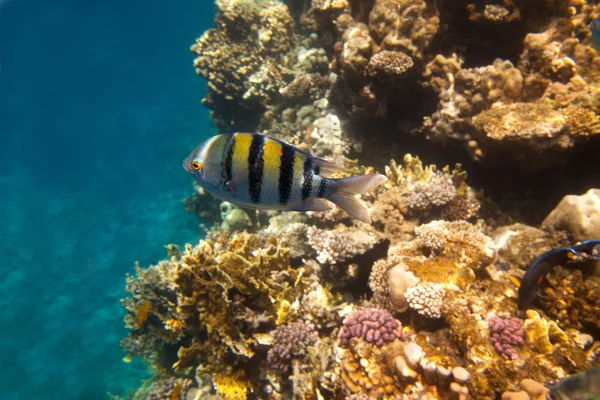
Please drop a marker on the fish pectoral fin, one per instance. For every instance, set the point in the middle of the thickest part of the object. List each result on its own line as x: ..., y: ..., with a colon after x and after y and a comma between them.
x: 230, y: 186
x: 311, y: 205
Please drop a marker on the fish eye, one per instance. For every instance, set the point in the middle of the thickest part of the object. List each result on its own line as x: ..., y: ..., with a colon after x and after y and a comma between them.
x: 196, y: 166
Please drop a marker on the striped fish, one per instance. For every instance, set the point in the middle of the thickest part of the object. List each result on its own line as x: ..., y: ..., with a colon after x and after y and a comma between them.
x: 257, y: 171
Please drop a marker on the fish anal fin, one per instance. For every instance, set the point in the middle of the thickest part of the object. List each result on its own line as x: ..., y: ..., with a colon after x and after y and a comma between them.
x: 311, y: 205
x: 352, y: 205
x: 346, y: 189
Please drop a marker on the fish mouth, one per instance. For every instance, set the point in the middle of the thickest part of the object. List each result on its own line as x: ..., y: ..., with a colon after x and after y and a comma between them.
x: 186, y: 166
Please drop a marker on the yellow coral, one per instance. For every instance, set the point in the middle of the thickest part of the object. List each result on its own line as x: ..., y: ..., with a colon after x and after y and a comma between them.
x: 444, y: 271
x: 413, y: 171
x: 543, y: 333
x: 581, y: 122
x: 174, y: 326
x: 231, y: 387
x: 283, y: 312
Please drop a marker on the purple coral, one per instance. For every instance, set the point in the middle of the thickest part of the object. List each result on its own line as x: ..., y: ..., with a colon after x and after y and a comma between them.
x: 506, y: 332
x: 290, y: 340
x: 372, y: 324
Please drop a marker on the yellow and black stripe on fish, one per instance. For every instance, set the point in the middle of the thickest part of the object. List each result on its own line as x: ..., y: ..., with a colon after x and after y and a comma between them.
x: 257, y: 171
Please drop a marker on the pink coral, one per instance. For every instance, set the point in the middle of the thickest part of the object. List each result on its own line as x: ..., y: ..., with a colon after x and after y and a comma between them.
x: 506, y: 332
x: 372, y: 324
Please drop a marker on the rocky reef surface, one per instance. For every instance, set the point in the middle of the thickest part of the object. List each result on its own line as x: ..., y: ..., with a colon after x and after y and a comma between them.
x: 421, y: 303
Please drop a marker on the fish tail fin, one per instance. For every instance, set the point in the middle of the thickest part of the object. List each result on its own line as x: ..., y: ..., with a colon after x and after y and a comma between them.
x: 345, y: 191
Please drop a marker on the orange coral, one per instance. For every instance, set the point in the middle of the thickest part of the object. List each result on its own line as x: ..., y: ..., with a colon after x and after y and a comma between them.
x: 363, y: 373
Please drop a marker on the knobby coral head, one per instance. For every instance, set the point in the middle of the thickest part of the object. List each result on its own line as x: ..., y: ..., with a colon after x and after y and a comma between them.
x: 374, y: 325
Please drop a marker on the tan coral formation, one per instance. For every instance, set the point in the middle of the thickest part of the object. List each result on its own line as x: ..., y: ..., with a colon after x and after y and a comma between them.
x: 249, y: 41
x: 209, y: 308
x: 439, y: 255
x: 364, y: 57
x: 200, y: 293
x: 578, y: 215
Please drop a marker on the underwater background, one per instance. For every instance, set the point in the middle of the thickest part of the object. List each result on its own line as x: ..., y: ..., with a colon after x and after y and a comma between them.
x: 98, y: 106
x: 476, y: 124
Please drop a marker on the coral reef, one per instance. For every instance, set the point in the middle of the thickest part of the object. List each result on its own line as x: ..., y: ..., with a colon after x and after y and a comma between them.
x: 279, y: 305
x: 199, y: 304
x: 572, y: 299
x: 170, y: 388
x: 438, y: 191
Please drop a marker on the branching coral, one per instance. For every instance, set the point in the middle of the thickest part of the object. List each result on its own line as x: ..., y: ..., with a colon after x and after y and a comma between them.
x: 337, y: 246
x: 437, y: 192
x: 291, y: 340
x: 426, y: 299
x: 390, y: 64
x: 249, y: 41
x: 417, y: 191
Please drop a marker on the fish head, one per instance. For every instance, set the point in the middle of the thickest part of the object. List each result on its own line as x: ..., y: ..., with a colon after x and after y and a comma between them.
x: 205, y: 162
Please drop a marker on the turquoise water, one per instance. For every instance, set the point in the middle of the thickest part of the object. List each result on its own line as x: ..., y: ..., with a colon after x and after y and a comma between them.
x: 99, y: 104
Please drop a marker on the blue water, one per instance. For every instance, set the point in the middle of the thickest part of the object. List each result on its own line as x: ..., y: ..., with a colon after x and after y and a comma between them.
x: 99, y: 104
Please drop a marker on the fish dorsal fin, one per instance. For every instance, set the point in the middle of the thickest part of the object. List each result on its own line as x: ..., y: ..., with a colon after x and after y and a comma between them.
x: 327, y: 168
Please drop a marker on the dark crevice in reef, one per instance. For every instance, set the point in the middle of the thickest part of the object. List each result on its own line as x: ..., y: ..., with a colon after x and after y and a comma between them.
x: 530, y: 197
x: 357, y: 284
x: 297, y: 7
x: 478, y: 43
x: 361, y: 9
x: 231, y: 116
